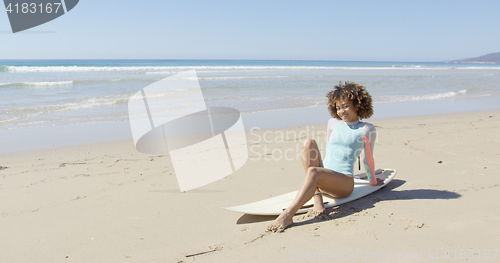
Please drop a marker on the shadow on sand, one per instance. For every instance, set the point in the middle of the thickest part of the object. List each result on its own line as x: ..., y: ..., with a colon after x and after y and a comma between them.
x: 387, y: 193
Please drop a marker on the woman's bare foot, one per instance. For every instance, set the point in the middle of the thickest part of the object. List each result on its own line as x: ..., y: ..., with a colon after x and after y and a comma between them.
x: 282, y: 222
x: 318, y: 208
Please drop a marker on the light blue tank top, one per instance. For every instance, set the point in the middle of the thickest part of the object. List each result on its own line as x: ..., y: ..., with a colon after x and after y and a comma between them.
x: 346, y: 140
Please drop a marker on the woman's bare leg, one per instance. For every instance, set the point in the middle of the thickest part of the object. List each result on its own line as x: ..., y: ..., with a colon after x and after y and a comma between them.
x: 336, y: 184
x: 311, y: 157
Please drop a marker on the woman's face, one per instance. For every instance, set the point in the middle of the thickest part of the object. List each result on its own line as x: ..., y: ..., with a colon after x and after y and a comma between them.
x: 346, y: 111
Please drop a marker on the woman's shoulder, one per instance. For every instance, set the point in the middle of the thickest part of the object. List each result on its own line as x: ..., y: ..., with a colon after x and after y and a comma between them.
x: 367, y: 125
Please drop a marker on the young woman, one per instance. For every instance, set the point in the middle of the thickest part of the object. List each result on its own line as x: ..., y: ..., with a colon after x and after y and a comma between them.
x: 346, y: 139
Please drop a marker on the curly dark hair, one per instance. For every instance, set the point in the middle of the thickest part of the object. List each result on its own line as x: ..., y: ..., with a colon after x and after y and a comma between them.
x: 354, y: 92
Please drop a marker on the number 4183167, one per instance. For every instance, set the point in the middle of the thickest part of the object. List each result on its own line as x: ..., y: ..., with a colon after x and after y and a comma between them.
x: 471, y: 254
x: 33, y: 8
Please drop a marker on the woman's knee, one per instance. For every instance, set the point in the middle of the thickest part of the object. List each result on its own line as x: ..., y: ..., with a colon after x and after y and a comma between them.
x: 312, y: 173
x: 310, y: 144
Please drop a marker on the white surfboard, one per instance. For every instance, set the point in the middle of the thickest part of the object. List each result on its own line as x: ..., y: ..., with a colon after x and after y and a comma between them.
x: 276, y: 205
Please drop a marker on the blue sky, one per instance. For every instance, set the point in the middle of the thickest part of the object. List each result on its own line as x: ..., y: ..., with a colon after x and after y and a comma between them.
x: 302, y: 30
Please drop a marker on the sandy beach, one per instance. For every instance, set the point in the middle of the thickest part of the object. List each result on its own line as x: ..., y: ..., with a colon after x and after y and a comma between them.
x: 107, y: 202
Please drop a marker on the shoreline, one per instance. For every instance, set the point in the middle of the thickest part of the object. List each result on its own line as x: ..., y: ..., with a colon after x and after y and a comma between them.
x: 314, y: 128
x: 49, y: 137
x: 123, y: 205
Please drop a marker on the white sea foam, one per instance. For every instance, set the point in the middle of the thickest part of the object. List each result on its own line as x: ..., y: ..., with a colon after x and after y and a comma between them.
x: 162, y: 69
x: 176, y: 69
x: 48, y: 83
x: 160, y: 72
x: 435, y: 96
x: 75, y: 68
x: 240, y: 77
x: 32, y: 114
x: 246, y: 77
x: 24, y: 113
x: 197, y: 71
x: 91, y: 103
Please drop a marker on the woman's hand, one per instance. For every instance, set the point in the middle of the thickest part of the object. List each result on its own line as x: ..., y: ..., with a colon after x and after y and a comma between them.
x: 379, y: 182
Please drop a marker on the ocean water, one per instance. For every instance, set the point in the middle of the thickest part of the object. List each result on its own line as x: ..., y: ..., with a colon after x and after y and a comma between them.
x: 61, y: 93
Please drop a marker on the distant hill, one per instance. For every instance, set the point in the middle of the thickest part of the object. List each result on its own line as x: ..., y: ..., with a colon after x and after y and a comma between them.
x: 492, y: 58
